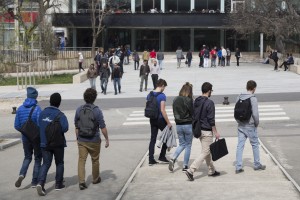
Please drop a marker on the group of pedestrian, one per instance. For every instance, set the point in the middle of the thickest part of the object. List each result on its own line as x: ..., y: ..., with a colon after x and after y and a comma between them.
x: 145, y: 70
x: 289, y: 60
x: 186, y: 110
x: 146, y: 56
x: 43, y: 135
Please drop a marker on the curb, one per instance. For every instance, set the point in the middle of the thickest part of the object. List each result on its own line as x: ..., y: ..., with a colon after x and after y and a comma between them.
x: 287, y: 175
x: 9, y: 143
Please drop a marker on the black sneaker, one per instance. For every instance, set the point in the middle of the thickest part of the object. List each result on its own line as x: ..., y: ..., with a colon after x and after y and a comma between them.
x: 59, y: 186
x: 163, y: 160
x: 216, y: 173
x: 82, y: 186
x: 260, y: 167
x: 185, y: 168
x: 189, y: 175
x: 239, y: 171
x: 97, y: 181
x: 152, y: 162
x: 171, y: 164
x: 19, y: 181
x: 40, y: 190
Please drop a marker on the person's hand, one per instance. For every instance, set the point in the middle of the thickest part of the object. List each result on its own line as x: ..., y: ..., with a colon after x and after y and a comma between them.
x: 217, y: 135
x: 169, y: 125
x: 106, y: 143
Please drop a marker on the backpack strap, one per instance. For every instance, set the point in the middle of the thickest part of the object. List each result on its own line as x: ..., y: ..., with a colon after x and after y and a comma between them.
x: 58, y: 116
x: 32, y: 109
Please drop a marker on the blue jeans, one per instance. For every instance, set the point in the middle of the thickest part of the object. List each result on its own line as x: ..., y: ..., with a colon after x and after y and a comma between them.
x: 117, y: 81
x: 185, y: 136
x: 160, y: 64
x: 30, y: 149
x: 93, y: 83
x: 243, y: 134
x: 58, y: 154
x: 104, y: 82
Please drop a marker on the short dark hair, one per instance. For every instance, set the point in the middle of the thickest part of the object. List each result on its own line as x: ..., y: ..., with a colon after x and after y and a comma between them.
x: 55, y: 99
x: 251, y: 85
x: 161, y: 82
x: 206, y: 87
x: 90, y: 95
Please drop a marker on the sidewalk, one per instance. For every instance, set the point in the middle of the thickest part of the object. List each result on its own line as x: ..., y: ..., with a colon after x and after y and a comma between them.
x: 156, y: 182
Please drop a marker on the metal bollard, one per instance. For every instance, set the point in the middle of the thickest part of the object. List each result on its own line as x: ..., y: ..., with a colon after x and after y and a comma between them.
x: 14, y: 110
x: 226, y: 102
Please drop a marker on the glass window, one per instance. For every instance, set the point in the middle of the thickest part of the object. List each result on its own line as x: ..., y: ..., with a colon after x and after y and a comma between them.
x: 118, y: 37
x: 177, y: 5
x: 207, y: 5
x: 177, y: 38
x: 147, y: 40
x: 124, y: 5
x: 210, y: 38
x: 147, y: 5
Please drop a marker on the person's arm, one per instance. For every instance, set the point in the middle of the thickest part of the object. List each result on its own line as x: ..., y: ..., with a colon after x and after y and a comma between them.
x: 255, y: 113
x: 76, y: 118
x: 64, y: 123
x: 211, y: 119
x: 105, y: 134
x: 164, y: 113
x: 102, y: 126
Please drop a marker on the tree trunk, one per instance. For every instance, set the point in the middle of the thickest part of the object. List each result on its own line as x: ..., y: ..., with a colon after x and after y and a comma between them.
x: 94, y: 45
x: 279, y: 45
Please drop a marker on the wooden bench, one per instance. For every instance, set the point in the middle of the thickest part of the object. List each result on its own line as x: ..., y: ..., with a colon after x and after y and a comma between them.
x: 80, y: 77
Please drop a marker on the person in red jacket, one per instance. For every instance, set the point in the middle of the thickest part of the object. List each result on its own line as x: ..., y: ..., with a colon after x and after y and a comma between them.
x: 152, y: 55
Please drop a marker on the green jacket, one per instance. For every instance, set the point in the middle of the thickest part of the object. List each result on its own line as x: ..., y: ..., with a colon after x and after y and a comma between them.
x: 183, y: 110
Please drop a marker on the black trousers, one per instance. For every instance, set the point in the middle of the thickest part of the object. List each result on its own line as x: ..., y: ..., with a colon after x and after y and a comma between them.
x: 276, y: 64
x: 237, y: 61
x: 154, y: 80
x: 155, y: 126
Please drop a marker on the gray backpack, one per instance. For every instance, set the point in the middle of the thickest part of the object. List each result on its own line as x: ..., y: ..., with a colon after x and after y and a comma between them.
x: 87, y: 123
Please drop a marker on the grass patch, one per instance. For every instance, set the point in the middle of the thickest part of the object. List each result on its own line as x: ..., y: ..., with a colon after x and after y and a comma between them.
x: 55, y: 79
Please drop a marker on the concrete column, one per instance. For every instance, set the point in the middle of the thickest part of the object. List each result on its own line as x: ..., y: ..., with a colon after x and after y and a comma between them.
x: 192, y: 38
x: 74, y: 31
x: 74, y: 6
x: 17, y: 30
x: 231, y: 8
x: 261, y: 45
x: 162, y: 6
x: 103, y: 3
x: 133, y: 39
x: 162, y: 40
x: 222, y: 39
x: 192, y: 4
x: 133, y: 6
x: 222, y: 6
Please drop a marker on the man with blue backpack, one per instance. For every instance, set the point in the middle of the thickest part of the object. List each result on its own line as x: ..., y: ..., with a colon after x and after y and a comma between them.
x: 247, y: 117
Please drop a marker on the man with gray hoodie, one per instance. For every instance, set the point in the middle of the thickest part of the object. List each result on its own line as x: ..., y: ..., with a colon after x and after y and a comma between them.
x: 248, y: 129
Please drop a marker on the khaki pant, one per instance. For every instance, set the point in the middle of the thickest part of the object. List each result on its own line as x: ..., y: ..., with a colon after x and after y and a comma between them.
x: 84, y: 149
x: 206, y: 139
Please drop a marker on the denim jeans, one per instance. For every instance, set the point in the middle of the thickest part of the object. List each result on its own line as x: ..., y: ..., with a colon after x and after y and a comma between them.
x: 93, y: 83
x: 243, y: 134
x: 58, y: 154
x: 104, y: 82
x: 144, y: 78
x: 185, y: 136
x: 213, y: 62
x: 117, y: 81
x: 30, y: 149
x: 160, y: 64
x: 156, y: 125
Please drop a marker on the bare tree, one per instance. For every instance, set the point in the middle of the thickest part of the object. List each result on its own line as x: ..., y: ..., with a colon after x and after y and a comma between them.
x: 279, y: 19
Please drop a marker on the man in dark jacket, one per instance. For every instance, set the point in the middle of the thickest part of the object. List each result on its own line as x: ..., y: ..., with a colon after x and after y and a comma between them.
x: 57, y: 150
x: 208, y: 129
x: 116, y: 76
x: 29, y: 147
x: 104, y: 76
x: 275, y: 58
x: 144, y: 72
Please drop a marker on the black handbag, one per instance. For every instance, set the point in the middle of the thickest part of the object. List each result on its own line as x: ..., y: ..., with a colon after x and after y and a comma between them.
x: 218, y: 149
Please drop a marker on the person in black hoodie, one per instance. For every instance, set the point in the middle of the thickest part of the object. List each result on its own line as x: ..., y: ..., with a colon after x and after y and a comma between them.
x: 183, y: 113
x: 208, y: 129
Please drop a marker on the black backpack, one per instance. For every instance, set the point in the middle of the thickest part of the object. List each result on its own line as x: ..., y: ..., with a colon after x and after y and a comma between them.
x: 30, y: 130
x: 206, y: 54
x: 152, y: 108
x: 243, y: 110
x: 54, y: 135
x: 196, y: 124
x: 87, y: 123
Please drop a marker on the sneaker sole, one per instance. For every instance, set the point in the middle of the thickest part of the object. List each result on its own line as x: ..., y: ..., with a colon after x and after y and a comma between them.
x: 163, y: 162
x: 171, y: 166
x: 19, y: 181
x: 40, y: 190
x: 189, y: 176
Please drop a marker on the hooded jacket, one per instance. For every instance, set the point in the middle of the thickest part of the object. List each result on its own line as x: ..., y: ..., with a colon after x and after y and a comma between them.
x: 207, y: 116
x: 254, y: 120
x: 23, y: 114
x: 183, y: 110
x: 46, y: 116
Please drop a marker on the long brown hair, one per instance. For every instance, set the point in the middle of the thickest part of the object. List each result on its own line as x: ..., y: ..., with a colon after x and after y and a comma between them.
x: 186, y: 90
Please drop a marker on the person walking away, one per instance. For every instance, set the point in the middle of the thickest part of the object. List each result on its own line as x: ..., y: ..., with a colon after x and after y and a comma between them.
x: 80, y: 61
x: 113, y: 60
x: 213, y: 55
x: 144, y: 72
x: 208, y: 129
x: 52, y: 146
x: 228, y: 57
x: 275, y: 58
x: 154, y: 71
x: 201, y: 54
x: 92, y: 75
x: 145, y: 55
x: 152, y: 55
x: 88, y: 119
x: 183, y: 113
x: 248, y: 128
x: 30, y: 105
x: 224, y: 54
x: 179, y: 56
x: 189, y: 57
x: 116, y: 76
x: 104, y: 76
x: 122, y: 56
x: 160, y: 57
x: 219, y: 53
x: 160, y: 123
x: 136, y: 59
x: 97, y: 59
x: 206, y: 57
x: 237, y: 56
